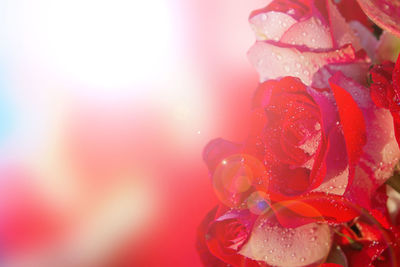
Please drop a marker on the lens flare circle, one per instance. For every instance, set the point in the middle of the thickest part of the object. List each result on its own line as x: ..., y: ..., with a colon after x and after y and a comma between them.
x: 235, y: 178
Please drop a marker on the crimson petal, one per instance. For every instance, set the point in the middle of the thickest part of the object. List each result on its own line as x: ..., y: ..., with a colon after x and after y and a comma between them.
x: 353, y: 124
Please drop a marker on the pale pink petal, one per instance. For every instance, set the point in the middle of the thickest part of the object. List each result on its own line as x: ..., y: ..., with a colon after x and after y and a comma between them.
x: 356, y: 70
x: 385, y: 13
x: 280, y: 246
x: 366, y: 37
x: 273, y: 61
x: 271, y: 25
x: 341, y: 31
x: 311, y: 33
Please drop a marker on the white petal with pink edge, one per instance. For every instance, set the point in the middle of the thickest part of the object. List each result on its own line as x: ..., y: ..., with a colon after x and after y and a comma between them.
x: 273, y: 61
x: 271, y: 25
x: 290, y: 247
x: 311, y: 33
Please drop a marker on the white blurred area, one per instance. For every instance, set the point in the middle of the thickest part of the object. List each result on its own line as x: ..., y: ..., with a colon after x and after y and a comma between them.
x: 108, y: 99
x: 63, y: 60
x: 102, y: 44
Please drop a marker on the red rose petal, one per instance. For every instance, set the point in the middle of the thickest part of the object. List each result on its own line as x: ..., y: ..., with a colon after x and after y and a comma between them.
x: 224, y: 237
x: 352, y: 11
x: 381, y: 151
x: 216, y: 150
x: 332, y: 207
x: 207, y: 258
x: 396, y: 123
x: 352, y: 121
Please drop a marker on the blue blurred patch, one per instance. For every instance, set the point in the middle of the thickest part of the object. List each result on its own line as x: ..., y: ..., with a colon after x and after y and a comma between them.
x: 6, y: 111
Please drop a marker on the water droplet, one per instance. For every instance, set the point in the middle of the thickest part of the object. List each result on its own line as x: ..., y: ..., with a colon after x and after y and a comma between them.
x: 302, y: 259
x: 263, y: 17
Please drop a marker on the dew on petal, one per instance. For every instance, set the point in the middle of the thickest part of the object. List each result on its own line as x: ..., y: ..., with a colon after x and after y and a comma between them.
x: 278, y: 245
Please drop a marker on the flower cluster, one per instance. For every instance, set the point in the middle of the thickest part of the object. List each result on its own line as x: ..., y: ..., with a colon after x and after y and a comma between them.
x: 306, y: 187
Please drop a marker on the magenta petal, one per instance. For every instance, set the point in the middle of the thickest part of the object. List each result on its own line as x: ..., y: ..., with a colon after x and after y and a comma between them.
x: 337, y: 175
x: 385, y: 13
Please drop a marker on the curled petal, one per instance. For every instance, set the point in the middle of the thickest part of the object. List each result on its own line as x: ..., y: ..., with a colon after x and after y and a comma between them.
x: 353, y: 124
x: 385, y: 13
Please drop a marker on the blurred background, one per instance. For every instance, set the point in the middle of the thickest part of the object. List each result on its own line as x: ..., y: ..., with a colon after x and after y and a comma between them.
x: 105, y: 107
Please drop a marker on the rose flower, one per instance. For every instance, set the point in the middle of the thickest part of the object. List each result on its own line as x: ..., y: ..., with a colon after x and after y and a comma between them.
x: 318, y: 150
